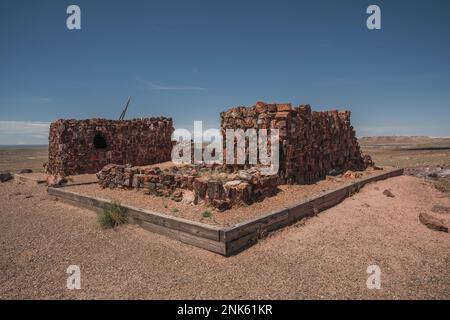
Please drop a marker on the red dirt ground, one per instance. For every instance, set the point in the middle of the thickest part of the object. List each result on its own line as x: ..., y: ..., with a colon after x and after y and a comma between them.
x: 322, y: 257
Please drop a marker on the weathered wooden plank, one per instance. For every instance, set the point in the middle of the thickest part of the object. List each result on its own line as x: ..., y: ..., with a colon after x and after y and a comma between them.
x: 300, y: 211
x: 237, y: 245
x: 211, y: 245
x: 234, y: 239
x: 37, y: 178
x: 255, y: 225
x: 330, y: 200
x: 192, y: 227
x: 333, y: 197
x: 246, y: 234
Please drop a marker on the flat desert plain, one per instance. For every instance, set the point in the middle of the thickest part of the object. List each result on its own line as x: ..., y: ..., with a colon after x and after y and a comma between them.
x: 323, y: 257
x: 16, y: 158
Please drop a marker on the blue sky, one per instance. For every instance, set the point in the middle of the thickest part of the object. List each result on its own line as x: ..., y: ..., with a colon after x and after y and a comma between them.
x: 193, y: 59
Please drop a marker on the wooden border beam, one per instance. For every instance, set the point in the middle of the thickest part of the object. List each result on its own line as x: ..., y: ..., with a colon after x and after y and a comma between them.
x: 225, y: 241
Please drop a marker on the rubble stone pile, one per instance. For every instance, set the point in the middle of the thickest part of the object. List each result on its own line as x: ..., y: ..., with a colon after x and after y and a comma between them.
x: 86, y: 146
x: 311, y: 143
x: 202, y: 183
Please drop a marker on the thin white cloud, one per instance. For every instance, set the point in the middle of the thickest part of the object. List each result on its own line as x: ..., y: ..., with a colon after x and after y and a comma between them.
x: 24, y: 127
x: 155, y: 86
x: 23, y: 132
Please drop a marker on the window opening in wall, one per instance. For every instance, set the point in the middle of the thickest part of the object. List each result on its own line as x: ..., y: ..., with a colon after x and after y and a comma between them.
x: 99, y: 141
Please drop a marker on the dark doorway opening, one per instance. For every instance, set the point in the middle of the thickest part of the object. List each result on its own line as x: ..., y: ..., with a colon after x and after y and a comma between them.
x: 99, y: 142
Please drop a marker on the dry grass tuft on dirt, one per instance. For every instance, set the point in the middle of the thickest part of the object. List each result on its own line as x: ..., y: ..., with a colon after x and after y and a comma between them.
x: 206, y: 214
x: 113, y: 216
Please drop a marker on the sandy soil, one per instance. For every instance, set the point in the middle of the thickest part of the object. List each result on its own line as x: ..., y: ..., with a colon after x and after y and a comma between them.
x: 16, y: 158
x: 410, y: 158
x: 288, y: 195
x: 323, y: 257
x: 407, y: 151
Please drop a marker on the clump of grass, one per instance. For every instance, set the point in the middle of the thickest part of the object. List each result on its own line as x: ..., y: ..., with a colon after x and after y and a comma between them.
x: 175, y: 210
x: 443, y: 185
x: 113, y: 216
x: 206, y: 214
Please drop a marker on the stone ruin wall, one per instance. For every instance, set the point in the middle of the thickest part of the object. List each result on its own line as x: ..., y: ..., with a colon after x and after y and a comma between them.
x: 208, y: 184
x: 86, y: 146
x: 312, y: 144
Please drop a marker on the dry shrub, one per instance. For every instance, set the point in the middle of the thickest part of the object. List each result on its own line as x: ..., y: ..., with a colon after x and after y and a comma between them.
x: 113, y: 216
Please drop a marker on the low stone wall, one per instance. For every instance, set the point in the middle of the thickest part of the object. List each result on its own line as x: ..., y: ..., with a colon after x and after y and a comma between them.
x: 193, y: 183
x: 86, y: 146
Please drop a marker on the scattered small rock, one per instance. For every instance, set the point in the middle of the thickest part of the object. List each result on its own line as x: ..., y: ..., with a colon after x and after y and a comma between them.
x: 244, y: 175
x: 188, y: 197
x: 177, y: 195
x: 352, y: 175
x: 444, y: 173
x: 56, y: 180
x: 222, y: 205
x: 368, y: 162
x: 388, y: 193
x: 440, y: 209
x: 26, y: 171
x: 432, y: 222
x: 5, y: 176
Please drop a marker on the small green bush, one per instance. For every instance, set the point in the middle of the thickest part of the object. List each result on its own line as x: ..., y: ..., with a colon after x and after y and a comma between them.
x: 113, y: 216
x: 206, y: 214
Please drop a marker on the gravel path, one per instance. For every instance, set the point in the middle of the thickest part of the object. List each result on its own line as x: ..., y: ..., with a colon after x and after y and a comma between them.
x: 323, y: 257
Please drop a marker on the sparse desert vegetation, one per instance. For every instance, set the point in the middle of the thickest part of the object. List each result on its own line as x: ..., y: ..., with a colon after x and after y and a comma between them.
x: 206, y: 214
x: 325, y: 256
x: 112, y: 216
